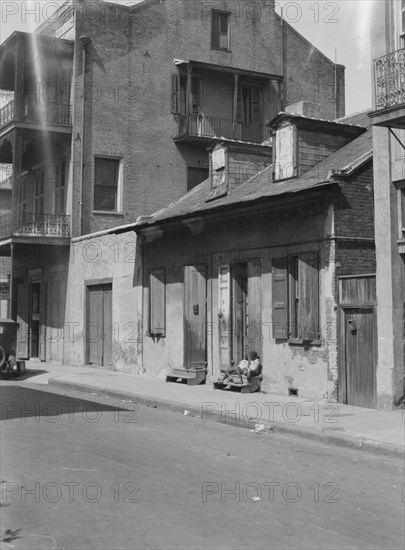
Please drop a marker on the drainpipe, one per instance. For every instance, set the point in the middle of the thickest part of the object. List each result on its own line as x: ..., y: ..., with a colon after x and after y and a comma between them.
x: 85, y: 41
x: 282, y: 88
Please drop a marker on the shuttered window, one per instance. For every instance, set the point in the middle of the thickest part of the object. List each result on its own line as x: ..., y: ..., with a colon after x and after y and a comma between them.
x: 175, y: 103
x: 157, y: 305
x: 296, y: 298
x: 220, y: 30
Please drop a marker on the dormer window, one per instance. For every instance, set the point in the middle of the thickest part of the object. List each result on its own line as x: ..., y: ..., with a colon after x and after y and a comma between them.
x: 220, y: 31
x: 285, y: 153
x: 218, y: 168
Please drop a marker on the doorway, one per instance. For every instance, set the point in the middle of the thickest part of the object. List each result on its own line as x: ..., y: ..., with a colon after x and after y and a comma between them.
x: 357, y: 334
x: 99, y: 325
x: 195, y: 317
x: 240, y: 309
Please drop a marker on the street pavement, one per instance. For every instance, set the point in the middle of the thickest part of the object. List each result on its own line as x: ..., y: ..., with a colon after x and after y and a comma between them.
x: 379, y: 431
x: 91, y: 472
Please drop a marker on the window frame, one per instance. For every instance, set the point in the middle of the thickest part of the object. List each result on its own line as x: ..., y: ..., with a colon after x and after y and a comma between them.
x: 216, y: 40
x: 119, y: 186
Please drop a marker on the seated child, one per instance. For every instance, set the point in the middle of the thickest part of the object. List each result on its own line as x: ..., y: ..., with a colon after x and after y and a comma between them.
x: 255, y: 367
x: 242, y: 368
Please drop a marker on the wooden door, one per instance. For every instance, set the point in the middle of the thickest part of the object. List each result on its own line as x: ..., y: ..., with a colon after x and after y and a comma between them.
x: 99, y: 325
x: 22, y: 319
x: 195, y: 316
x: 107, y: 327
x: 254, y: 328
x: 239, y: 311
x: 94, y: 326
x: 360, y: 356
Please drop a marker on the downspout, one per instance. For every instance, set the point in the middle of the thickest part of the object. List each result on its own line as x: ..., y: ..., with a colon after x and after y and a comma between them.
x: 282, y: 67
x: 84, y: 40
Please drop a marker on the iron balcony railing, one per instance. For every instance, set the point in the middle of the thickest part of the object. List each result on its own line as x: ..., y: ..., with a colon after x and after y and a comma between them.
x: 208, y: 126
x: 7, y: 114
x: 389, y: 77
x: 34, y: 224
x: 48, y: 113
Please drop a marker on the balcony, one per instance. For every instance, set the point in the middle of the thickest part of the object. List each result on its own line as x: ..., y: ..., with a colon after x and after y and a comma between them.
x: 30, y: 224
x: 201, y: 127
x: 7, y: 114
x: 52, y: 114
x: 389, y: 79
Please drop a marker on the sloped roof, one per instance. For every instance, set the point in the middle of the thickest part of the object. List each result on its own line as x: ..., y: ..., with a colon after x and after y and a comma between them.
x: 261, y: 187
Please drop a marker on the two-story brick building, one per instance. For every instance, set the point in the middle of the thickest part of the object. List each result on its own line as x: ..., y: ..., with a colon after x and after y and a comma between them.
x: 150, y: 85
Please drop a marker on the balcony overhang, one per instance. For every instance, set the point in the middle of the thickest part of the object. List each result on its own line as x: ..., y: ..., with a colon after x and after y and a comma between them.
x: 393, y: 117
x: 227, y: 69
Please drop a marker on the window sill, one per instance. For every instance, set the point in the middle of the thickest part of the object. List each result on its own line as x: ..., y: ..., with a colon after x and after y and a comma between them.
x: 221, y: 49
x: 107, y: 213
x: 298, y: 342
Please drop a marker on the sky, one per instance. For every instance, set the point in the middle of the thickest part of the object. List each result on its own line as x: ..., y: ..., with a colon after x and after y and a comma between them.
x: 336, y: 27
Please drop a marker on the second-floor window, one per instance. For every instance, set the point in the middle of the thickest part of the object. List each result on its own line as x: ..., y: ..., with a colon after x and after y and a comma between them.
x: 106, y: 184
x: 39, y: 193
x: 60, y: 189
x: 220, y: 31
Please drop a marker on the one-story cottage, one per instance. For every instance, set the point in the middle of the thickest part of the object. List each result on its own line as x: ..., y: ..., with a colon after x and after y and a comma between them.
x: 274, y: 253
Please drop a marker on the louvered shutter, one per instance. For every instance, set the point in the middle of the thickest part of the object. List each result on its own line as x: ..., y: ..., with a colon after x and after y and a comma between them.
x: 280, y: 299
x: 175, y: 104
x: 308, y: 317
x: 157, y: 302
x: 215, y: 21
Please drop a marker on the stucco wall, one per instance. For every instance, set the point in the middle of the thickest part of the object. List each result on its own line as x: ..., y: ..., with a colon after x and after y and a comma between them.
x: 312, y: 370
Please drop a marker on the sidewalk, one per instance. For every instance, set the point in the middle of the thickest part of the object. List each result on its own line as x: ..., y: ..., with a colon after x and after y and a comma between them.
x: 377, y: 431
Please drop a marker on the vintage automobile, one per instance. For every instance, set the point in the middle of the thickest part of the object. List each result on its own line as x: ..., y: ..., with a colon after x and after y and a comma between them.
x: 8, y: 357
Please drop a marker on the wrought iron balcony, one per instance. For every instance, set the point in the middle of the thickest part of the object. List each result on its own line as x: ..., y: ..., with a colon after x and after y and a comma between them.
x: 38, y: 113
x: 389, y: 77
x: 49, y: 113
x: 202, y: 126
x: 34, y: 224
x: 7, y: 114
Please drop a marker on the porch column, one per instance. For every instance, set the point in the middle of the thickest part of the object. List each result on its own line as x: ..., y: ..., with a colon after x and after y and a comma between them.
x: 235, y: 100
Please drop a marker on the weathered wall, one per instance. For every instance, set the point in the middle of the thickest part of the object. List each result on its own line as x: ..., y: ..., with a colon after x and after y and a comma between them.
x: 312, y: 370
x: 92, y: 261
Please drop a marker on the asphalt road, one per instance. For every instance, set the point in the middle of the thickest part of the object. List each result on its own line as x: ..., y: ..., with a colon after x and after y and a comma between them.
x: 93, y: 474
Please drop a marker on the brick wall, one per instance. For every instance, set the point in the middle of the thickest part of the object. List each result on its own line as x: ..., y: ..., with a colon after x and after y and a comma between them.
x: 314, y: 146
x: 128, y: 90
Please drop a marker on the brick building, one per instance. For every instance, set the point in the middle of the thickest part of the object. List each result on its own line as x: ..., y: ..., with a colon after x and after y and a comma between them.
x: 282, y: 264
x: 388, y: 119
x: 112, y: 110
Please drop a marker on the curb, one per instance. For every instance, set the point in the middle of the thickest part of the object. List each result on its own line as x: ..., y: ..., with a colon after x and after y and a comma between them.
x: 324, y: 436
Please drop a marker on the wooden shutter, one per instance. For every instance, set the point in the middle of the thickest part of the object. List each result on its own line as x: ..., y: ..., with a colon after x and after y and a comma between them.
x: 254, y: 307
x: 308, y: 315
x: 107, y: 326
x: 280, y: 299
x: 224, y: 317
x: 175, y: 104
x: 215, y: 20
x: 157, y: 302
